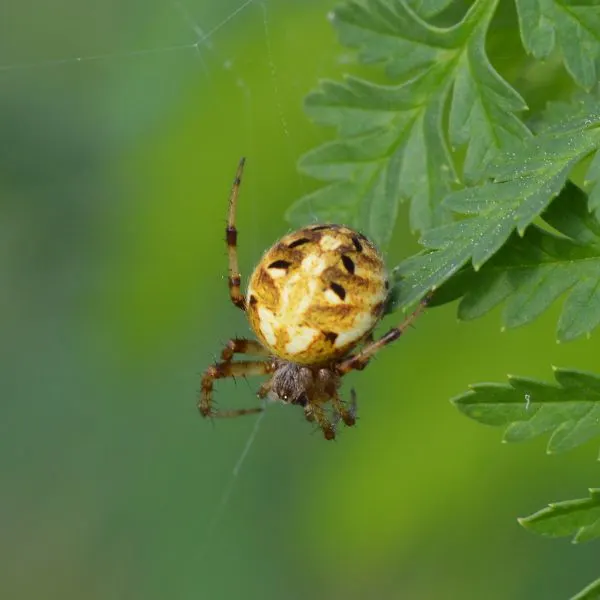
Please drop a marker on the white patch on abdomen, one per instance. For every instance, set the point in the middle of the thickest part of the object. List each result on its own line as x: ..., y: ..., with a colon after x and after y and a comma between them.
x: 277, y: 273
x: 300, y: 339
x: 328, y: 242
x: 268, y: 323
x: 332, y: 297
x: 362, y: 323
x: 288, y: 312
x: 313, y: 265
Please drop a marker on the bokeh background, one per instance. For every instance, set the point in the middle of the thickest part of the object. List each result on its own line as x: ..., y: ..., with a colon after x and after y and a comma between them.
x: 121, y: 124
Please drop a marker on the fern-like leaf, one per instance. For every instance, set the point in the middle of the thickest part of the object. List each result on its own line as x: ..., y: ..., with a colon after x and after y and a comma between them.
x: 522, y: 186
x: 392, y: 142
x: 531, y: 272
x: 577, y: 112
x: 578, y: 518
x: 428, y: 8
x: 590, y: 592
x: 573, y: 25
x: 529, y: 408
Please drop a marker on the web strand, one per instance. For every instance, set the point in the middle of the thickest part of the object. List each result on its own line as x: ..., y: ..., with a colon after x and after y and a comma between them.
x: 273, y: 69
x: 293, y: 152
x: 219, y: 511
x: 203, y: 38
x: 200, y: 39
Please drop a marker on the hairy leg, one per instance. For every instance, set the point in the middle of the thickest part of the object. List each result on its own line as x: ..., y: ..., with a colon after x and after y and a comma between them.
x: 221, y: 371
x: 242, y: 346
x: 348, y: 415
x: 360, y: 360
x: 315, y: 412
x: 234, y: 277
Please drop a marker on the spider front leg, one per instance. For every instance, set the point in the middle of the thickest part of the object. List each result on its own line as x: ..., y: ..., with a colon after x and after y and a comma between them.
x: 361, y: 359
x: 234, y: 277
x: 315, y: 412
x: 229, y: 369
x: 348, y: 415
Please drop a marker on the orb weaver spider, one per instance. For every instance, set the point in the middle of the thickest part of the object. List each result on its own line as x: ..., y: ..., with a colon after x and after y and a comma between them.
x: 315, y: 295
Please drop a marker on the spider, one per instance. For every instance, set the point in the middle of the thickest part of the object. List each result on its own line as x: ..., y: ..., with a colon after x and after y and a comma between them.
x: 315, y: 296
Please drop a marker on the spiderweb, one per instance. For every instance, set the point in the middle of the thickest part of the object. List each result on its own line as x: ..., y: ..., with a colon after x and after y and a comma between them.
x: 77, y: 55
x: 202, y: 42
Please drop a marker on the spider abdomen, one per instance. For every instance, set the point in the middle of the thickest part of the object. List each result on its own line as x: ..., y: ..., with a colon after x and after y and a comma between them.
x: 316, y: 293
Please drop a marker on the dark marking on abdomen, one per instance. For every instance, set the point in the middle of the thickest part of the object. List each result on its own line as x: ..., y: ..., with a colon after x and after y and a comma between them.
x: 330, y: 336
x: 338, y: 289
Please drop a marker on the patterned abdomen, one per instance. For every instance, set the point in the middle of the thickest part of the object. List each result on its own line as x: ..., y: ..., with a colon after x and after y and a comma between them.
x: 316, y: 293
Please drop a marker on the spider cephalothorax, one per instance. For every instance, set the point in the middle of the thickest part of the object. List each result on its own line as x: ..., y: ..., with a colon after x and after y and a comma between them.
x: 315, y: 295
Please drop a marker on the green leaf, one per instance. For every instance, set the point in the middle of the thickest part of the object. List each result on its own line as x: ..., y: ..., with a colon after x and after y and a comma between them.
x: 591, y: 592
x: 522, y: 185
x: 577, y: 112
x: 574, y: 25
x: 560, y: 116
x: 428, y: 8
x: 591, y: 182
x: 531, y: 272
x: 578, y: 518
x: 529, y: 408
x: 394, y: 140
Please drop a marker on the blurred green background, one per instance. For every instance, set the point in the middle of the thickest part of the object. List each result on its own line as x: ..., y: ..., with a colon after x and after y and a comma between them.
x: 121, y: 124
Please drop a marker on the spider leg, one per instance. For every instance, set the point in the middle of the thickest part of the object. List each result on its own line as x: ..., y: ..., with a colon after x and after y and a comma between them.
x: 348, y: 415
x: 234, y: 278
x: 264, y: 389
x: 308, y: 413
x: 369, y: 339
x: 229, y: 369
x: 242, y: 346
x: 360, y: 360
x: 315, y: 412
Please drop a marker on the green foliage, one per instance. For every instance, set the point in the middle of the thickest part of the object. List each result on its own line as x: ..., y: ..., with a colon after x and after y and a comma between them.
x: 579, y: 518
x: 522, y: 185
x: 528, y: 408
x: 393, y: 141
x: 529, y: 273
x: 573, y: 25
x: 501, y: 219
x: 428, y: 8
x: 591, y: 592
